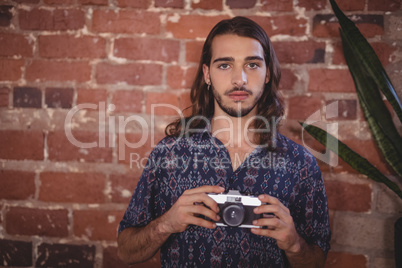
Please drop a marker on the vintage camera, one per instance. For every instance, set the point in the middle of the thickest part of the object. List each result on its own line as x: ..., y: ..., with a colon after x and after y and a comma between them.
x: 236, y: 210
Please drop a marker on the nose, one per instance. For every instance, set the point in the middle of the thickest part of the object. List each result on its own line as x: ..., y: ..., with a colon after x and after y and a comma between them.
x: 239, y: 77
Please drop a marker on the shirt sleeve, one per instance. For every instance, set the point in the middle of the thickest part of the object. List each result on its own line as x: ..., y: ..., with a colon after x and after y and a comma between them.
x: 311, y: 206
x: 142, y: 207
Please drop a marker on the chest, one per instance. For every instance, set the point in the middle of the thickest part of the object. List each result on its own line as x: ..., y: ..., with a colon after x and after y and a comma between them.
x: 238, y: 155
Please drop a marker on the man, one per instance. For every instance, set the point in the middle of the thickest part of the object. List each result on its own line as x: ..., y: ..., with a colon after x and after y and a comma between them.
x: 229, y: 143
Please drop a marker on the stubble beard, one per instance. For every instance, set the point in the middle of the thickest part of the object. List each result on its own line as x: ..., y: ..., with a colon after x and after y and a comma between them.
x: 238, y: 111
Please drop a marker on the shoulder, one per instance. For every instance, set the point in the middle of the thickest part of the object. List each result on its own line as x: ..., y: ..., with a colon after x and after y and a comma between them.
x: 294, y: 150
x: 174, y: 143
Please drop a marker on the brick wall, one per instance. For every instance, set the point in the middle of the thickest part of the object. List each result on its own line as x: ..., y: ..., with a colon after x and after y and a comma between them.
x: 94, y: 69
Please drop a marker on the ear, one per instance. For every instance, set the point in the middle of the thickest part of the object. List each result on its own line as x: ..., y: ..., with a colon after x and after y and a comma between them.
x: 267, y: 77
x: 207, y: 76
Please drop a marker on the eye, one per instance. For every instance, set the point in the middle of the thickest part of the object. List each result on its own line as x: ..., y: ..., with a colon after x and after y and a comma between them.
x: 224, y: 66
x: 253, y: 65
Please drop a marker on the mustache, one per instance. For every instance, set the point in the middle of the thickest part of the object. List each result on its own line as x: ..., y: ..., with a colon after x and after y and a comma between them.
x: 235, y: 89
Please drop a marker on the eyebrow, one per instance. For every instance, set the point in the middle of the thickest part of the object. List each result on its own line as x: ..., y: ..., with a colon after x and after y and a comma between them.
x: 231, y: 59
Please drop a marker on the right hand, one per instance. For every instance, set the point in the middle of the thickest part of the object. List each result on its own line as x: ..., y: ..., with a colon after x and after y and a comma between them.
x: 187, y: 209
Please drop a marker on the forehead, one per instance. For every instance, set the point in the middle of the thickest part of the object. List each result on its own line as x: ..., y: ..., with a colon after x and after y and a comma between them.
x: 230, y: 45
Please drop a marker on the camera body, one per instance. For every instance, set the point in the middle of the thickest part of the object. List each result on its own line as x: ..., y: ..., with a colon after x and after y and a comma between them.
x: 236, y: 210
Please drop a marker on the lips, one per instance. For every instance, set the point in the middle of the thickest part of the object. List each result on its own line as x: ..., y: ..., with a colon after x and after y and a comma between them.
x: 238, y: 95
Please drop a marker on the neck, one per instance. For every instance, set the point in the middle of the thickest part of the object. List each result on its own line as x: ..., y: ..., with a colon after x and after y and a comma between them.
x: 232, y: 131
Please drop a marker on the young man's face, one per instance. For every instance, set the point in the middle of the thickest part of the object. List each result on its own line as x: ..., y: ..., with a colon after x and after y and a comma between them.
x: 237, y: 74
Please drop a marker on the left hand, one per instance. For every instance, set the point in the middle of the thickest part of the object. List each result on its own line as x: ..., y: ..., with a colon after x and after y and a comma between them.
x: 279, y: 227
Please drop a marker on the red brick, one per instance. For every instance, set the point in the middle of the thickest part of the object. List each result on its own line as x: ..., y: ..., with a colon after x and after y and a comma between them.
x: 343, y: 259
x: 33, y: 221
x: 112, y: 260
x: 60, y: 148
x: 347, y: 5
x: 193, y: 51
x: 284, y: 5
x: 301, y: 107
x: 192, y: 26
x: 294, y: 131
x: 58, y: 255
x: 6, y: 15
x: 92, y: 96
x: 17, y: 185
x: 125, y: 21
x: 383, y: 51
x: 20, y: 145
x: 328, y: 26
x: 43, y: 70
x: 144, y: 4
x: 15, y: 45
x: 16, y: 253
x: 28, y: 1
x: 128, y: 101
x: 4, y: 96
x: 123, y: 185
x: 169, y: 104
x: 348, y: 197
x: 207, y: 4
x: 147, y: 49
x: 11, y: 70
x: 59, y: 97
x: 241, y: 3
x: 369, y: 150
x: 132, y: 149
x: 58, y: 2
x: 68, y: 46
x: 288, y: 79
x: 330, y: 80
x: 27, y: 97
x: 312, y: 4
x: 300, y: 52
x: 284, y: 25
x: 97, y: 224
x: 132, y: 74
x: 72, y: 187
x: 94, y: 2
x: 385, y: 5
x: 180, y: 77
x: 169, y: 3
x: 51, y: 20
x: 347, y: 110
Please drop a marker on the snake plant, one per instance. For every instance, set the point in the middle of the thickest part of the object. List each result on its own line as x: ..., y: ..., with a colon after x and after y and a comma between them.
x: 370, y: 78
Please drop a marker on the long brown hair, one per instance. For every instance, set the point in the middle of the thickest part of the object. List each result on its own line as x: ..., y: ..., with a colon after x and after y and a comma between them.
x: 269, y: 106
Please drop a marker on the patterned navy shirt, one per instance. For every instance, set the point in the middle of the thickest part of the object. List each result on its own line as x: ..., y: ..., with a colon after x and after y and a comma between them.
x: 290, y: 173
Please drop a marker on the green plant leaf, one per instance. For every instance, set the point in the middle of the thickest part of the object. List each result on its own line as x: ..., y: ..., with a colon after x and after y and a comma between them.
x: 375, y: 111
x: 356, y: 161
x: 366, y: 55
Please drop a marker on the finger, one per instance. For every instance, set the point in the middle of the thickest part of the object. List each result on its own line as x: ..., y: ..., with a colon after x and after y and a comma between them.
x: 272, y: 205
x: 264, y: 198
x: 263, y: 232
x: 204, y: 200
x: 204, y: 211
x: 206, y: 189
x: 271, y: 223
x: 202, y: 222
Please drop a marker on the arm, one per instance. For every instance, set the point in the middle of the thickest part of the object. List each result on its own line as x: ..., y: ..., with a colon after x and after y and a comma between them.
x: 281, y: 227
x: 138, y: 244
x: 308, y: 255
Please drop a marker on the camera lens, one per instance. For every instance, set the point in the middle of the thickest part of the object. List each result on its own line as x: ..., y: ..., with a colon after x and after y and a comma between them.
x: 233, y: 214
